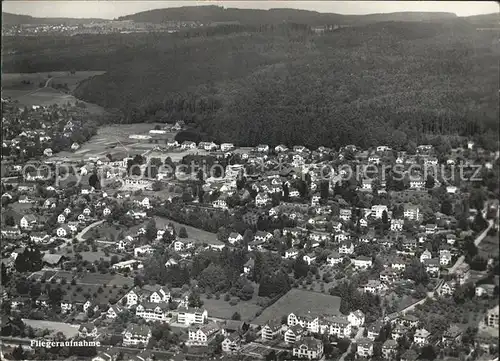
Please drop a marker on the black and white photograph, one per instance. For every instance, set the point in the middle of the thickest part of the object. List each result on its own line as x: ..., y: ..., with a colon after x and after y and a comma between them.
x: 250, y: 180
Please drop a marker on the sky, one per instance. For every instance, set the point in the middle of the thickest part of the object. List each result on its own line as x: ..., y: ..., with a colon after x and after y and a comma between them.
x: 107, y: 9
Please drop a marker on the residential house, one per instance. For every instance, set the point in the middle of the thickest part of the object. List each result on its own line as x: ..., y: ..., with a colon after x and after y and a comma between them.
x: 462, y: 273
x: 262, y: 236
x: 374, y: 287
x: 389, y: 349
x: 430, y: 228
x: 485, y: 290
x: 271, y: 330
x: 262, y: 148
x: 388, y: 275
x: 182, y: 244
x: 452, y: 336
x: 248, y: 266
x: 365, y: 347
x: 339, y: 326
x: 374, y: 159
x: 291, y: 253
x: 417, y: 183
x: 341, y: 236
x: 346, y: 248
x: 87, y: 330
x: 110, y: 354
x: 362, y: 262
x: 63, y: 231
x: 262, y: 199
x: 221, y: 202
x: 293, y: 334
x: 425, y: 255
x: 135, y: 335
x: 309, y: 322
x: 113, y: 311
x: 334, y: 258
x: 345, y: 214
x: 492, y: 317
x: 398, y: 331
x: 378, y: 210
x: 151, y: 311
x: 309, y: 258
x: 411, y: 212
x: 398, y: 265
x: 366, y: 184
x: 224, y: 147
x: 188, y: 145
x: 192, y: 315
x: 28, y: 221
x: 447, y: 289
x: 234, y: 238
x: 309, y: 348
x: 397, y: 225
x: 142, y: 251
x: 374, y: 330
x: 421, y: 337
x: 232, y: 343
x: 24, y: 199
x: 281, y: 148
x: 444, y: 257
x: 39, y: 237
x: 202, y: 335
x: 318, y: 236
x: 451, y: 239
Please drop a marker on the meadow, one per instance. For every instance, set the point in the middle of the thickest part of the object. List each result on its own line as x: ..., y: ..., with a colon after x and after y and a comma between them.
x: 30, y: 89
x: 222, y: 309
x: 300, y: 302
x: 195, y: 234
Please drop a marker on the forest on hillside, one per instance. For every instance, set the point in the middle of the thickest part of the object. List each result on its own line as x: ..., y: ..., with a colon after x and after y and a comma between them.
x: 381, y: 83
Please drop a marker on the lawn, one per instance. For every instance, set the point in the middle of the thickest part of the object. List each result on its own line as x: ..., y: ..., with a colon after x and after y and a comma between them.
x: 222, y: 309
x: 301, y: 302
x: 13, y: 81
x: 68, y: 330
x: 21, y: 208
x: 99, y: 279
x: 113, y: 139
x: 49, y: 96
x: 94, y: 256
x: 95, y: 279
x: 197, y: 235
x: 106, y: 231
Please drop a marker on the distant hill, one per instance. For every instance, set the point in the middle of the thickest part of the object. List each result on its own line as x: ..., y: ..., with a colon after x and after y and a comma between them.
x: 15, y: 19
x: 485, y: 20
x: 210, y: 14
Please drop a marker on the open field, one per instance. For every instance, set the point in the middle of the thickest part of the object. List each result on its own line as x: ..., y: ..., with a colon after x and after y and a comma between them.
x: 68, y: 330
x: 98, y: 279
x: 13, y: 81
x: 489, y: 247
x: 94, y: 256
x: 21, y: 208
x: 222, y: 309
x: 197, y: 235
x: 113, y: 139
x: 108, y: 231
x: 36, y: 88
x: 48, y: 96
x: 300, y: 302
